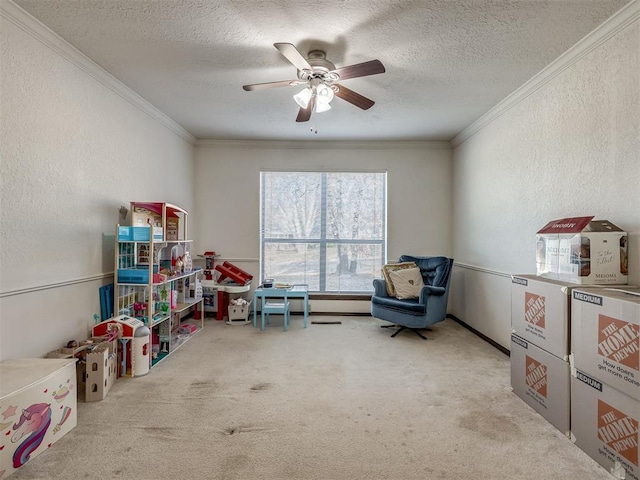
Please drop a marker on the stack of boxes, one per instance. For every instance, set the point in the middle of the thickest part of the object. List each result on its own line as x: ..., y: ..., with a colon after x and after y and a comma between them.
x: 575, y: 340
x: 540, y: 313
x: 605, y: 382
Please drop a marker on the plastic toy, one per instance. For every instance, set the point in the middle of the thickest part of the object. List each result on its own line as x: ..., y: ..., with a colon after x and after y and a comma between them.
x: 138, y: 309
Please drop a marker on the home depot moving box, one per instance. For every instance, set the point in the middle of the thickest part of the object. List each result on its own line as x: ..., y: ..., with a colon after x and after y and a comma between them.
x: 605, y: 338
x: 604, y: 424
x: 582, y: 250
x: 540, y: 312
x: 542, y: 381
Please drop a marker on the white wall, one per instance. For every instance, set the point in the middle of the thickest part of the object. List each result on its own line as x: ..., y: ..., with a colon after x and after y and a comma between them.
x: 568, y: 148
x: 75, y: 145
x: 228, y: 183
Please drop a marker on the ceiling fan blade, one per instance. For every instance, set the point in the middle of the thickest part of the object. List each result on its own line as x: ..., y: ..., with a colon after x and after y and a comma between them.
x: 372, y: 67
x: 264, y: 86
x: 293, y: 55
x: 354, y: 98
x: 305, y: 113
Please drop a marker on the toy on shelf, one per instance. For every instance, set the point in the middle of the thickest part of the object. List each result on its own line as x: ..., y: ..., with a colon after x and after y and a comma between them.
x: 209, y: 259
x: 138, y: 309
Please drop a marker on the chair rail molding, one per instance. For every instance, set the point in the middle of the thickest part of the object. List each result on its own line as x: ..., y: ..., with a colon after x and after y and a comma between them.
x: 481, y: 269
x: 64, y: 283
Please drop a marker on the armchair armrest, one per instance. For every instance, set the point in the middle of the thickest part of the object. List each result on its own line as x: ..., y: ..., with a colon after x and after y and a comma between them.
x: 380, y: 287
x: 428, y: 291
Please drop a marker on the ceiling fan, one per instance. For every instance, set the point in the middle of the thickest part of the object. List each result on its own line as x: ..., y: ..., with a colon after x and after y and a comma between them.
x: 320, y: 78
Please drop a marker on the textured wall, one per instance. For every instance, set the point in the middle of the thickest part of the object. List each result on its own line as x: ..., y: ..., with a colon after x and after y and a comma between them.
x: 73, y: 151
x: 571, y: 148
x: 228, y: 184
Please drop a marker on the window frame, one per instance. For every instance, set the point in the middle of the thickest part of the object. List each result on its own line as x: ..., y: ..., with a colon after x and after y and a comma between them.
x: 323, y: 241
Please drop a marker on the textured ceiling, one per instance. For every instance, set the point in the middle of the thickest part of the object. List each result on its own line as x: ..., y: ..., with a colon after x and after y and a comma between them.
x: 447, y: 61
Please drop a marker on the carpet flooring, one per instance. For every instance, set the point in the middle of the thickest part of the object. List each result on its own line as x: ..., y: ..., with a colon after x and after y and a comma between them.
x: 330, y: 402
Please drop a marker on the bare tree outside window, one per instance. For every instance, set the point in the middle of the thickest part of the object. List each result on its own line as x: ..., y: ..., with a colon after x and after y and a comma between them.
x: 325, y: 229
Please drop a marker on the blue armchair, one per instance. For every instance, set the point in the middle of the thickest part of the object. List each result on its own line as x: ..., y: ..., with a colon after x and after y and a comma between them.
x: 414, y: 314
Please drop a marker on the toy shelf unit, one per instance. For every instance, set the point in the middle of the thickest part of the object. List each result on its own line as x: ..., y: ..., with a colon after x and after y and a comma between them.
x: 155, y: 282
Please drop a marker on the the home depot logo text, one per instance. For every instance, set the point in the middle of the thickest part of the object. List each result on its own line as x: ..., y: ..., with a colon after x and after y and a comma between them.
x: 619, y: 341
x: 536, y: 376
x: 534, y: 309
x: 619, y: 431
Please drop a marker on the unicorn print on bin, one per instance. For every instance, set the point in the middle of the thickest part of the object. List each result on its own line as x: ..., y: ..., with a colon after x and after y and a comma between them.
x: 34, y: 422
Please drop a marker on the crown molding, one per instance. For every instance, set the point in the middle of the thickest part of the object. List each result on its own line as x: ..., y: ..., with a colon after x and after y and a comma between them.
x: 23, y: 20
x: 304, y: 144
x: 608, y: 29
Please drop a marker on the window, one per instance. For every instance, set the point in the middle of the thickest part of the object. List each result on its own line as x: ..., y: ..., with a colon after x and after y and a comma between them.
x: 327, y: 230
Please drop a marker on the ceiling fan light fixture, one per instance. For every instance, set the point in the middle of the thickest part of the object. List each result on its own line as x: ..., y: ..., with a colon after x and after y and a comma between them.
x: 322, y: 107
x: 325, y: 94
x: 303, y: 97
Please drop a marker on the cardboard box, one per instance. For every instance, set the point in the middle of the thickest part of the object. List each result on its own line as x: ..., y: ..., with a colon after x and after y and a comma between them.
x: 100, y: 372
x: 604, y: 424
x: 542, y: 380
x: 38, y: 401
x: 541, y: 312
x: 582, y: 250
x: 605, y: 339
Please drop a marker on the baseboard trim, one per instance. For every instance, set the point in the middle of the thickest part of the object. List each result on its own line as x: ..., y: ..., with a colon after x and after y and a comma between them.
x: 339, y: 314
x: 449, y: 315
x: 481, y: 335
x: 359, y: 297
x: 329, y: 314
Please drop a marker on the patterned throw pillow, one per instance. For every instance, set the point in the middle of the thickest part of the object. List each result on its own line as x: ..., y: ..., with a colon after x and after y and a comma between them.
x: 391, y: 267
x: 407, y: 283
